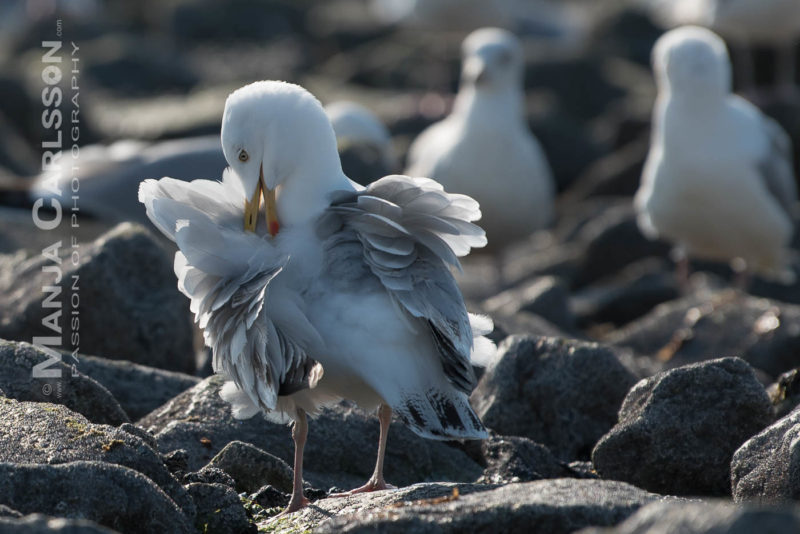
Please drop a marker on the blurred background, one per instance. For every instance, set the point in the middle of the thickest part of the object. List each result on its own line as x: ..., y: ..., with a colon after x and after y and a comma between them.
x: 153, y: 71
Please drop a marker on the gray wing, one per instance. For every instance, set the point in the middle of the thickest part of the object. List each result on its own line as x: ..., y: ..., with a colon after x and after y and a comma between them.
x: 777, y: 168
x: 229, y: 275
x: 411, y: 230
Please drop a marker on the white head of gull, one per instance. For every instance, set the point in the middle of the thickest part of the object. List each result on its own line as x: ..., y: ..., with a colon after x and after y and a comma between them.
x: 484, y: 149
x: 718, y: 181
x: 338, y: 292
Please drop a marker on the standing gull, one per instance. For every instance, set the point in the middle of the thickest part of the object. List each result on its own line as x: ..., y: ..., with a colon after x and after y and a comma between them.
x: 718, y: 181
x: 774, y: 23
x: 484, y: 148
x: 338, y: 292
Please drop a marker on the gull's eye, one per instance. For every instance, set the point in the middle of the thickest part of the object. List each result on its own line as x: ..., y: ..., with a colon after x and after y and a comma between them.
x: 504, y: 58
x: 243, y: 156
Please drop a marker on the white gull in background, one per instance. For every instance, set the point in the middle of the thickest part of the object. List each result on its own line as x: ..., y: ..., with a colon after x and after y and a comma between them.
x: 484, y: 148
x: 339, y: 292
x: 353, y: 123
x: 718, y: 181
x: 774, y: 23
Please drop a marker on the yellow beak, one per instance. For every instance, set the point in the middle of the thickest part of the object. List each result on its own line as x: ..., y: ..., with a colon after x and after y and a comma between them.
x: 252, y: 207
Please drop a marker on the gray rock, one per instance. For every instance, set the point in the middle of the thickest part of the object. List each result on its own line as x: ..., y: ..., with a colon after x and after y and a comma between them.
x: 139, y: 389
x: 42, y: 524
x: 514, y: 459
x: 705, y: 517
x: 210, y: 475
x: 269, y: 497
x: 706, y: 325
x: 253, y: 468
x: 219, y: 509
x: 112, y: 495
x: 767, y: 467
x: 678, y: 430
x: 563, y: 394
x: 74, y: 390
x: 546, y: 296
x: 51, y: 434
x: 341, y: 447
x: 552, y: 506
x: 130, y: 307
x: 140, y: 433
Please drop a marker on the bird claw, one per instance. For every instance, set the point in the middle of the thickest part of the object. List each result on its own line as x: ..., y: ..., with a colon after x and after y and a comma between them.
x: 293, y: 506
x: 366, y: 488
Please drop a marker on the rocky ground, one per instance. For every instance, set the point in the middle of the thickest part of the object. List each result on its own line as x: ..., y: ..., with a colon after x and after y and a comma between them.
x: 618, y: 402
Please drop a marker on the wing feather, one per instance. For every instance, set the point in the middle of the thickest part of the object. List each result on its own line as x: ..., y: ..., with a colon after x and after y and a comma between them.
x: 229, y: 276
x: 411, y: 230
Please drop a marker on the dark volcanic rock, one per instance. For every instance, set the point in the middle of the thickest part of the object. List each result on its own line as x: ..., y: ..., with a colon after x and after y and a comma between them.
x: 514, y: 459
x: 547, y: 297
x: 76, y: 391
x: 210, y: 475
x: 112, y: 495
x: 706, y: 517
x: 42, y: 524
x: 708, y: 325
x: 219, y: 509
x: 678, y: 430
x: 563, y: 394
x: 51, y: 434
x: 552, y: 506
x: 767, y: 467
x: 341, y: 448
x: 130, y: 307
x: 139, y: 389
x: 253, y: 468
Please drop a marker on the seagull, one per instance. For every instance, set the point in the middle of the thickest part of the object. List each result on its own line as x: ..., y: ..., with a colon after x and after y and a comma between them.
x: 339, y: 291
x: 718, y: 180
x: 484, y: 148
x: 774, y: 23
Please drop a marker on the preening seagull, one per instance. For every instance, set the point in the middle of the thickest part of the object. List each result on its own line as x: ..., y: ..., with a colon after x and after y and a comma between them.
x: 718, y: 181
x: 338, y: 292
x: 484, y: 149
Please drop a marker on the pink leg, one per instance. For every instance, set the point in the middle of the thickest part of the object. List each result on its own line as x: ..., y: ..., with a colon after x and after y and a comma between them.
x: 376, y: 482
x: 741, y: 275
x: 682, y: 274
x: 299, y: 434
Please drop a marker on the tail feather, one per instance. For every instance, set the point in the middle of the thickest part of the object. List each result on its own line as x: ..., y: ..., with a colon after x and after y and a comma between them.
x: 441, y: 415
